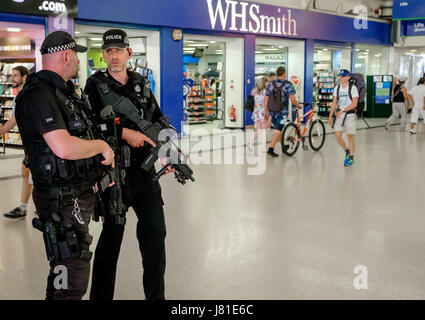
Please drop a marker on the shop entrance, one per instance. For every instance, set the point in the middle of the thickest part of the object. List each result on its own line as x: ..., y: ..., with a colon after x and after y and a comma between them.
x: 145, y: 59
x: 213, y: 89
x: 328, y: 61
x: 19, y: 46
x: 273, y: 53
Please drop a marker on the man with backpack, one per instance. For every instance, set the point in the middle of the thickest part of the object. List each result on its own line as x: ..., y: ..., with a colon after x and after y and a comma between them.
x: 278, y: 94
x: 344, y: 104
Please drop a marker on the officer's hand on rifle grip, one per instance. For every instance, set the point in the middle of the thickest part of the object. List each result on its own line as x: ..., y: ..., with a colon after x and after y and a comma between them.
x: 164, y: 163
x: 135, y: 138
x: 108, y: 154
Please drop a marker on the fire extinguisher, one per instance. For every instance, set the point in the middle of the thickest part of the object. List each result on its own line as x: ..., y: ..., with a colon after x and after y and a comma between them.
x: 232, y: 113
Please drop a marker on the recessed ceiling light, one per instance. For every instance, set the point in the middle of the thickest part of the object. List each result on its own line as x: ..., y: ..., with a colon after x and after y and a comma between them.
x: 77, y: 32
x: 258, y: 51
x: 14, y: 29
x: 96, y: 39
x: 325, y: 49
x: 281, y: 47
x: 199, y: 45
x: 270, y: 49
x: 188, y: 41
x: 212, y: 41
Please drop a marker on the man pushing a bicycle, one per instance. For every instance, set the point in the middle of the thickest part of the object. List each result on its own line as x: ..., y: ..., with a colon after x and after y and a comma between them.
x: 343, y: 113
x: 278, y: 94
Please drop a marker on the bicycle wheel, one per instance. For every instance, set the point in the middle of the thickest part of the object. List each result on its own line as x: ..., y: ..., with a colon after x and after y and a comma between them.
x: 290, y: 139
x: 317, y: 135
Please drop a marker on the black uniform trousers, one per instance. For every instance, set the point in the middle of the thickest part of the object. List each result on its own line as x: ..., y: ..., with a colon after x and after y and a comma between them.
x: 77, y: 270
x: 146, y: 200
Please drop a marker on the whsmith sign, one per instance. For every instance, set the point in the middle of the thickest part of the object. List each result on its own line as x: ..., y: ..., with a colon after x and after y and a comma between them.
x: 247, y: 17
x: 41, y: 7
x: 235, y: 16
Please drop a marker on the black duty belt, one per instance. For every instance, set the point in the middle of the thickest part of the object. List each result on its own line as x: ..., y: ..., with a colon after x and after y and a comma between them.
x: 70, y: 192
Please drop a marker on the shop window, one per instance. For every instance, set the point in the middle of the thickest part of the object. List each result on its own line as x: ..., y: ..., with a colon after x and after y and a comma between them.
x: 203, y: 63
x: 328, y: 61
x: 371, y: 60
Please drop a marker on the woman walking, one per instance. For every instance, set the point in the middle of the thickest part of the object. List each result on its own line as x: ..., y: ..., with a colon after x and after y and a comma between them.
x: 258, y: 115
x: 401, y: 104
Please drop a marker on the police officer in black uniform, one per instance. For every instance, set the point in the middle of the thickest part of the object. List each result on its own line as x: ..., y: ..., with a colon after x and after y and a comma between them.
x: 140, y: 191
x: 65, y: 161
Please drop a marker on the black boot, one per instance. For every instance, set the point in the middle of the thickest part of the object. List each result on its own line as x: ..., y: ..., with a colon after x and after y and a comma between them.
x: 272, y: 153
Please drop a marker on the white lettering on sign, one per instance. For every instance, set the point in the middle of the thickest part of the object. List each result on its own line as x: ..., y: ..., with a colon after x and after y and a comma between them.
x: 52, y: 6
x: 113, y: 37
x: 404, y: 4
x: 270, y: 58
x: 419, y: 27
x: 249, y: 18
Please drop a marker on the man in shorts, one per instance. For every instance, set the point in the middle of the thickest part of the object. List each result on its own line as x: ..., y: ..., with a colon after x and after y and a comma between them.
x: 344, y: 104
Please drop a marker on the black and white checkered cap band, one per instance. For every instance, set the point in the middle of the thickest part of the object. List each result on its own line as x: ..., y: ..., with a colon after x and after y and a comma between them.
x: 62, y: 47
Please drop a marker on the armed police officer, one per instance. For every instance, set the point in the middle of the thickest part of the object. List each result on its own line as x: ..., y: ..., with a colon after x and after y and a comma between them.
x: 139, y: 189
x: 65, y: 161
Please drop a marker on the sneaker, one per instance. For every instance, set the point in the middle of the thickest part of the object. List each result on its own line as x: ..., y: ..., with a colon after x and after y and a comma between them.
x: 347, y: 156
x: 272, y: 153
x: 16, y: 213
x: 348, y: 162
x: 386, y: 126
x: 412, y: 131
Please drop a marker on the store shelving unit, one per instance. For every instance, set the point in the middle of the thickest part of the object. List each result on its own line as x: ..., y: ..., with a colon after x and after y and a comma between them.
x: 210, y: 106
x: 196, y: 110
x: 324, y: 84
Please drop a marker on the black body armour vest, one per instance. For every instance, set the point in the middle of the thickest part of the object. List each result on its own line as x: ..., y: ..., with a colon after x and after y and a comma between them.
x: 48, y: 169
x: 138, y: 93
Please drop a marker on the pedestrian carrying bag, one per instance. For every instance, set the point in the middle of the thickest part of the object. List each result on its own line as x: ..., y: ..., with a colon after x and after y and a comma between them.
x: 396, y: 93
x: 356, y: 80
x: 249, y: 103
x: 277, y: 100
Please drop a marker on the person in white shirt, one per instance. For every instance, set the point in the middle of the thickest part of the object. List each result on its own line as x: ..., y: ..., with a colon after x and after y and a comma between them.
x: 417, y: 96
x: 344, y: 104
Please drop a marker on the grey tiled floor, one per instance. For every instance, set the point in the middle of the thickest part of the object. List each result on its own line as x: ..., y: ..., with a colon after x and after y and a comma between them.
x: 295, y: 232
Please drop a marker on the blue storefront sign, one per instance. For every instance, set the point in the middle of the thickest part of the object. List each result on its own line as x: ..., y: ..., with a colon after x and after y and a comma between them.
x: 413, y: 28
x: 238, y: 17
x: 408, y: 9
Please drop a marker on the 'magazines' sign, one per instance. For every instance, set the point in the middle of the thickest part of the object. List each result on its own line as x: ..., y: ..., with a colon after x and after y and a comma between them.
x: 231, y: 15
